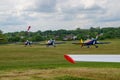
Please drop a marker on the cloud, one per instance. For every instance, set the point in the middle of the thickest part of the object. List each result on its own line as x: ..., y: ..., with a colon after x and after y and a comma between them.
x: 45, y: 6
x: 88, y: 9
x: 111, y: 13
x: 9, y: 21
x: 57, y: 14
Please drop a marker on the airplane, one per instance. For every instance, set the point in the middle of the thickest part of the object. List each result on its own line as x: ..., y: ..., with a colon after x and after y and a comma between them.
x: 90, y: 42
x: 52, y: 43
x: 27, y: 43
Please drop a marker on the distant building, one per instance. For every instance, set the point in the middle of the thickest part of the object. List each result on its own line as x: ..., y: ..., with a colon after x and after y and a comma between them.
x: 70, y: 37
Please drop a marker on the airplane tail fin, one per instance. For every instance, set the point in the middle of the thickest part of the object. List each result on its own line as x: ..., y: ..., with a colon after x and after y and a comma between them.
x: 99, y: 35
x: 81, y: 41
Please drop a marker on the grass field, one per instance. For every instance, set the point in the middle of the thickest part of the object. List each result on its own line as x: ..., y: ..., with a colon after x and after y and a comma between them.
x: 47, y: 63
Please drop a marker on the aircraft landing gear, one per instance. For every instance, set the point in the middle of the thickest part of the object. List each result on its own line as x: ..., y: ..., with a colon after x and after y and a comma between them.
x: 96, y: 46
x: 88, y: 46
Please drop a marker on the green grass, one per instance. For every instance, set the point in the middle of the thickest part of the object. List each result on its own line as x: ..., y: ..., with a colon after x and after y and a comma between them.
x: 18, y: 57
x: 71, y: 78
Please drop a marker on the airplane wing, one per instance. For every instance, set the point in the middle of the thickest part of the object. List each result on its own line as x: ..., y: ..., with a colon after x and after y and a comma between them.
x: 77, y: 43
x: 59, y: 42
x: 80, y: 43
x: 92, y: 58
x: 102, y: 42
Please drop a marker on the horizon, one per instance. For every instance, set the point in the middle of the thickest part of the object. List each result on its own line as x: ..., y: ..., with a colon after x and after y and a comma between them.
x: 60, y: 29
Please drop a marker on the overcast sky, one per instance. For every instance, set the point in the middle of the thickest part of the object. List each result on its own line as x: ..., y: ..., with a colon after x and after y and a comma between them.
x: 16, y: 15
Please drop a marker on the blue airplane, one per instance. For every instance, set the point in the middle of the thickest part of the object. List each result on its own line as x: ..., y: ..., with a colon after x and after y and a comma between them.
x: 90, y: 42
x: 52, y: 42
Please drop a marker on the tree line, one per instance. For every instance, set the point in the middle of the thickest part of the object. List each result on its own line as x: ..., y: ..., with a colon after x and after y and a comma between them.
x: 62, y: 34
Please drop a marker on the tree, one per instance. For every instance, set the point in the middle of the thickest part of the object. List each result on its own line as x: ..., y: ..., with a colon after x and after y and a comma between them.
x: 3, y: 38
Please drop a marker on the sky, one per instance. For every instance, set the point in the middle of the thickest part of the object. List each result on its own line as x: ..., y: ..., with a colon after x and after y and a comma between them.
x: 17, y: 15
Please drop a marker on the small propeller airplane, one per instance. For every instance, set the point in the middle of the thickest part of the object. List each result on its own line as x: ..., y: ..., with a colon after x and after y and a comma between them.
x: 90, y: 42
x: 52, y: 42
